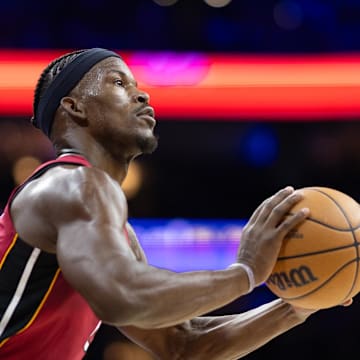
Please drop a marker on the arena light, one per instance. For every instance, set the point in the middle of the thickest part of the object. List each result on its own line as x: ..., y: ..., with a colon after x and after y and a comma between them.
x: 165, y: 2
x: 201, y: 86
x: 218, y: 3
x: 23, y: 168
x: 133, y: 180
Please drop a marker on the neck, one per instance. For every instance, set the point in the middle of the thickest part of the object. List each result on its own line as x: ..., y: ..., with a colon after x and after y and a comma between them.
x: 98, y: 156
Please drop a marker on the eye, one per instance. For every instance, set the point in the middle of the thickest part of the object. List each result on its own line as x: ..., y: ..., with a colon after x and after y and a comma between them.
x: 119, y: 82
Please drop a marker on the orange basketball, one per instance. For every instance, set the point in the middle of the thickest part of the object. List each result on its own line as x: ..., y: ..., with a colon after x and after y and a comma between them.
x: 318, y: 265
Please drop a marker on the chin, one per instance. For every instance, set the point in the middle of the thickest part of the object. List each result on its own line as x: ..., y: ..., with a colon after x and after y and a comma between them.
x: 147, y: 145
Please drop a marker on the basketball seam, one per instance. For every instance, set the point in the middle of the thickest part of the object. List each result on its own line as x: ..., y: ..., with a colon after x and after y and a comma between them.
x: 281, y: 258
x: 331, y: 227
x: 353, y: 235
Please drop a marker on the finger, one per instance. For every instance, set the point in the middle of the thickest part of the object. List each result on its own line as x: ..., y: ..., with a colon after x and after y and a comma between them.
x: 281, y: 211
x: 256, y: 213
x: 266, y: 203
x: 272, y: 203
x: 347, y: 302
x: 290, y: 222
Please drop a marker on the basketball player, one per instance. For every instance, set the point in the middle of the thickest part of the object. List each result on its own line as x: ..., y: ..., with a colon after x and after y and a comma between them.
x: 69, y: 259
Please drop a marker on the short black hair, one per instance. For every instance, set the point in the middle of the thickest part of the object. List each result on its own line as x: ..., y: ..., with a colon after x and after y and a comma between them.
x: 49, y: 74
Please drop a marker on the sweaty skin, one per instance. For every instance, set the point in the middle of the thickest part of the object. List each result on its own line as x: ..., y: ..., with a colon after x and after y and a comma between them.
x: 80, y: 213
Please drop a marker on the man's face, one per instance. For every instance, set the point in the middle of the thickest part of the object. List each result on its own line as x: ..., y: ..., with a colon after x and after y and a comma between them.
x: 119, y: 114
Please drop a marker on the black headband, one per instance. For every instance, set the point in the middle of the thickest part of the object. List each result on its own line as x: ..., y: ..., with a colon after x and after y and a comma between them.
x: 63, y: 83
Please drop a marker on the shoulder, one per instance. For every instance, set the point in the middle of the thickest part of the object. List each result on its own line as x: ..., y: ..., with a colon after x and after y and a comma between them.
x: 67, y: 184
x: 62, y: 195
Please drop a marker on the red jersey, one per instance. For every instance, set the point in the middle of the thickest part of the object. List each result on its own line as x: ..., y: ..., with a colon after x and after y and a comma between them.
x: 41, y: 316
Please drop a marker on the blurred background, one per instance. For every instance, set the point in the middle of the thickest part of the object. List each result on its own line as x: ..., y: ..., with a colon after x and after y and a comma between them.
x: 251, y: 96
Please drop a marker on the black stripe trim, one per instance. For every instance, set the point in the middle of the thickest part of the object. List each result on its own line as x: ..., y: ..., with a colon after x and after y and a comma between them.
x: 35, y: 290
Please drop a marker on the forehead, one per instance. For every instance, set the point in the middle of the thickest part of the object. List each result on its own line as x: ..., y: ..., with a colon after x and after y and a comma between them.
x: 108, y: 65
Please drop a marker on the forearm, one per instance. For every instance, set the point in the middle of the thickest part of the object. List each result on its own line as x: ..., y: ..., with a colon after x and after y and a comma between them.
x: 126, y: 292
x: 232, y: 337
x: 227, y: 337
x: 161, y: 298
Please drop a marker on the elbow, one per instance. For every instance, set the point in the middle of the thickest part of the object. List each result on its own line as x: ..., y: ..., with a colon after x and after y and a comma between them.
x: 125, y: 310
x: 118, y: 313
x: 111, y: 305
x: 129, y: 315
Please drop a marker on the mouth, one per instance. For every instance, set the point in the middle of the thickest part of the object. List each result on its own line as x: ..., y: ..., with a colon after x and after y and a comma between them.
x: 148, y: 115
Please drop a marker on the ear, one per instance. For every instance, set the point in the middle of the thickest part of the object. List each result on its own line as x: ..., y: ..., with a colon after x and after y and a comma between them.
x: 75, y: 108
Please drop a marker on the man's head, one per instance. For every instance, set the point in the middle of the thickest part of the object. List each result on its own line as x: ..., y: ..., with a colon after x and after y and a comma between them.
x: 94, y: 91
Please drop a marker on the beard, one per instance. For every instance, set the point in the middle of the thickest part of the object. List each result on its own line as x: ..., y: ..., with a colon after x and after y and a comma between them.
x: 147, y: 145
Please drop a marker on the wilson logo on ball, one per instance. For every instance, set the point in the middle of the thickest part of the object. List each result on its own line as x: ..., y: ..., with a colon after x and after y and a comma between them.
x: 297, y: 277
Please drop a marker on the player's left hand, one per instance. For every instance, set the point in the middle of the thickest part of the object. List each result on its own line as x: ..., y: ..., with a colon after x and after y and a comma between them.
x: 347, y: 302
x: 305, y: 313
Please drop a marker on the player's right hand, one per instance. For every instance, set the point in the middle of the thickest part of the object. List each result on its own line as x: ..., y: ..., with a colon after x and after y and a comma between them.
x: 263, y: 235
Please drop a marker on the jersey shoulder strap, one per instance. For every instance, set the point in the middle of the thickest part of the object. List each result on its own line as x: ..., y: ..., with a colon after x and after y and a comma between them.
x: 69, y: 159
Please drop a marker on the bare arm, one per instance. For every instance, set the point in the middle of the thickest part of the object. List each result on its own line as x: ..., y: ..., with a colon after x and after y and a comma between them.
x: 87, y: 213
x: 226, y: 337
x: 219, y: 337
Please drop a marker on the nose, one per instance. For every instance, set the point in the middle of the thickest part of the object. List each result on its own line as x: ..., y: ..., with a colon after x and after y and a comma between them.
x: 142, y: 97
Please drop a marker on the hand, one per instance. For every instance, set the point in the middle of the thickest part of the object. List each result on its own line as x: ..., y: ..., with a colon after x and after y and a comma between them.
x: 347, y: 302
x: 303, y: 314
x: 263, y: 235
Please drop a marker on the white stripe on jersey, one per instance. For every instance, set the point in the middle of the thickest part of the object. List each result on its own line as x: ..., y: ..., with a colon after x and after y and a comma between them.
x: 19, y: 290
